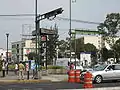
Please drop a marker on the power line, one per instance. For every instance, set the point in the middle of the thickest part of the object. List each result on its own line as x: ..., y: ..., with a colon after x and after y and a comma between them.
x: 16, y: 15
x: 75, y: 20
x: 59, y: 18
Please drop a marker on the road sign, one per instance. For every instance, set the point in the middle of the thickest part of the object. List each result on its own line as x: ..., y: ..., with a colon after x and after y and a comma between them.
x: 44, y: 31
x: 33, y: 64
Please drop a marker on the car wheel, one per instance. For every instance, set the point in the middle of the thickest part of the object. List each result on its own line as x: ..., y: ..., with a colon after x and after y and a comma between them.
x: 98, y: 79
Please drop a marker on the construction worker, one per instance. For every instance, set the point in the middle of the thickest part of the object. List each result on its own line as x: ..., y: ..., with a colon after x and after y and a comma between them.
x: 21, y: 70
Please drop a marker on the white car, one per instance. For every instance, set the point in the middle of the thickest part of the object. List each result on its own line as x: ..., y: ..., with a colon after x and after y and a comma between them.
x: 79, y: 67
x: 105, y: 72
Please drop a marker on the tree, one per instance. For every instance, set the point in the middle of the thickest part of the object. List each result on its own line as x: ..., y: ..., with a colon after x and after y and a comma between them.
x: 110, y: 28
x: 79, y: 46
x: 89, y: 48
x: 52, y: 45
x: 116, y: 48
x: 104, y: 53
x: 31, y: 56
x: 62, y: 46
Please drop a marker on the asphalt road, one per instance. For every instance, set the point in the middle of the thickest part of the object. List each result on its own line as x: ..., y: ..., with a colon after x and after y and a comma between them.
x: 53, y: 86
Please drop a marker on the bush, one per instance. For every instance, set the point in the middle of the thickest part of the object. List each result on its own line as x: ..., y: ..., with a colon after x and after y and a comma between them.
x: 11, y: 67
x: 53, y: 67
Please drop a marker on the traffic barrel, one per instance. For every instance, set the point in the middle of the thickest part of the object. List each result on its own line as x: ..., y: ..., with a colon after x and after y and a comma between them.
x: 77, y: 76
x: 88, y: 80
x: 71, y: 76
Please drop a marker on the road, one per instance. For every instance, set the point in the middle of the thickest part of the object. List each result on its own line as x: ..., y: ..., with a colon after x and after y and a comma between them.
x: 53, y: 86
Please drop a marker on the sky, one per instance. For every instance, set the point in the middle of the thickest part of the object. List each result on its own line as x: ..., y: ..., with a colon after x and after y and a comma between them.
x: 87, y: 10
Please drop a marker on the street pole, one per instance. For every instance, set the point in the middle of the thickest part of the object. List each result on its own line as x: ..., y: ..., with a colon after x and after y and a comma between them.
x: 36, y: 34
x: 7, y: 34
x: 46, y: 52
x: 75, y: 50
x: 70, y: 29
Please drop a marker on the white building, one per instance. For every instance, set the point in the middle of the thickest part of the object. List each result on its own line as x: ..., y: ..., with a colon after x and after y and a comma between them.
x: 97, y: 41
x: 3, y: 54
x: 21, y: 48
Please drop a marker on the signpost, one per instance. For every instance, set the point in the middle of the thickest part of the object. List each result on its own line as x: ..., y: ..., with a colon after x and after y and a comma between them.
x: 39, y: 31
x: 27, y: 69
x: 44, y: 31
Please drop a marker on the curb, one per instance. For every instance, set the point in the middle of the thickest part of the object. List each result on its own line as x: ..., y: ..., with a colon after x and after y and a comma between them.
x: 22, y: 81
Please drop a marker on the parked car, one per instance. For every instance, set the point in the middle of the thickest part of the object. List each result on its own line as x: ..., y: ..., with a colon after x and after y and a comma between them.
x: 105, y: 72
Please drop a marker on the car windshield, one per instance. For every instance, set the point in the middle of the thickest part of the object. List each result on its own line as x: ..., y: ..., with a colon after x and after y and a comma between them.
x: 99, y: 68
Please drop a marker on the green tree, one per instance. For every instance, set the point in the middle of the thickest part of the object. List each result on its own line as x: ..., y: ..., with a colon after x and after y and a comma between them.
x: 52, y: 45
x: 110, y: 54
x: 89, y: 48
x: 31, y: 55
x: 79, y: 45
x: 63, y: 47
x: 110, y: 28
x: 104, y: 53
x: 116, y: 48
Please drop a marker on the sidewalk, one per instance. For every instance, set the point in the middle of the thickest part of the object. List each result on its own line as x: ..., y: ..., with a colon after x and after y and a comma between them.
x: 11, y: 77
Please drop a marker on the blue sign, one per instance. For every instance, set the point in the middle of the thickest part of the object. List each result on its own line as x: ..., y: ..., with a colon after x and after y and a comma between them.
x: 33, y: 64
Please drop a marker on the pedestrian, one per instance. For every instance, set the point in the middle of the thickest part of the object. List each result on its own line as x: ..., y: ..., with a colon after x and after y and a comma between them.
x: 16, y: 68
x: 21, y: 70
x: 68, y: 67
x: 3, y: 67
x: 71, y: 66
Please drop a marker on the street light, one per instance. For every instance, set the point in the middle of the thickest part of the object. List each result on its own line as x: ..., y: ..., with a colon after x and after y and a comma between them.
x: 70, y: 29
x: 7, y: 34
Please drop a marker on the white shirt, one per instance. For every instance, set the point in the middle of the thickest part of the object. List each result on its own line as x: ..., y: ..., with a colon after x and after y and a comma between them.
x: 16, y: 66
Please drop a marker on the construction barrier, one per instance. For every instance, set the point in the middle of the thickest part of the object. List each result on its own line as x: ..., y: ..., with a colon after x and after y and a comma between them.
x: 71, y: 76
x: 77, y: 76
x: 88, y: 80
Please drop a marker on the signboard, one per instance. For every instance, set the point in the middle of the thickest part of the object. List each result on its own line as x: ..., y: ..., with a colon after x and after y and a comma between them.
x: 33, y: 64
x: 44, y: 31
x: 85, y: 32
x: 47, y: 31
x: 43, y: 38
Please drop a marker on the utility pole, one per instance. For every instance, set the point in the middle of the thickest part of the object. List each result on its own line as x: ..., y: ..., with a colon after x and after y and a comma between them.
x: 36, y: 34
x: 39, y: 31
x: 70, y: 29
x: 7, y: 34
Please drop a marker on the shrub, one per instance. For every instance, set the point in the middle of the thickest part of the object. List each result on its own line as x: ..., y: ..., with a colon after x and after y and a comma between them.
x: 11, y: 67
x: 53, y: 67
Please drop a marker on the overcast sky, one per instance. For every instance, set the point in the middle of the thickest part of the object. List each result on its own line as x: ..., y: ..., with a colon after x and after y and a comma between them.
x: 88, y: 10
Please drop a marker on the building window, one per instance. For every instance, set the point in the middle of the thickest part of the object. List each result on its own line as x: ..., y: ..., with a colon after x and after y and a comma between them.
x: 17, y: 46
x: 22, y: 53
x: 13, y: 46
x: 17, y: 57
x: 17, y: 50
x: 23, y: 44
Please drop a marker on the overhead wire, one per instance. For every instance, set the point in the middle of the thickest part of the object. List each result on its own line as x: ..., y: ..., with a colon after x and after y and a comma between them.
x: 76, y: 20
x: 58, y: 18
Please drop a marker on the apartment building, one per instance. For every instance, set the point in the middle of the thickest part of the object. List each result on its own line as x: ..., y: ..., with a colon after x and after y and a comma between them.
x: 21, y: 48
